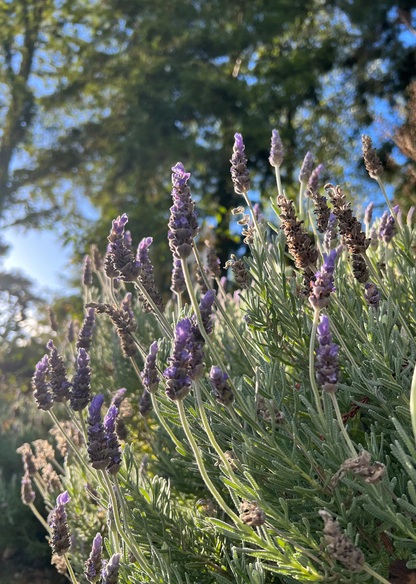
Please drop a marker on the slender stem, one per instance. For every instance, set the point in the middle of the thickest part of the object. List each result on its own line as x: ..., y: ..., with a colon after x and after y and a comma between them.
x: 237, y: 336
x: 220, y: 288
x: 179, y: 302
x: 141, y: 560
x: 83, y: 428
x: 70, y: 442
x: 253, y: 215
x: 163, y: 422
x: 42, y: 490
x: 278, y: 180
x: 136, y: 369
x: 312, y: 222
x: 341, y: 425
x: 72, y: 417
x: 202, y: 469
x: 57, y: 466
x: 39, y: 517
x: 158, y: 314
x: 312, y: 366
x: 70, y: 570
x: 369, y: 570
x: 301, y: 191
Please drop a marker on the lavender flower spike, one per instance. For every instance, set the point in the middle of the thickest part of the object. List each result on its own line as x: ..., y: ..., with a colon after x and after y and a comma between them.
x: 177, y: 374
x: 178, y: 279
x: 306, y: 168
x: 327, y: 367
x: 387, y: 227
x: 368, y: 215
x: 372, y: 295
x: 147, y: 277
x: 112, y: 443
x: 239, y: 171
x: 97, y: 444
x: 222, y: 390
x: 110, y: 574
x: 94, y: 564
x: 120, y: 259
x: 61, y: 388
x: 313, y: 182
x: 276, y: 150
x: 331, y: 233
x: 183, y: 224
x: 60, y: 541
x: 85, y: 334
x: 87, y: 271
x: 149, y: 373
x: 40, y: 386
x: 324, y: 282
x: 81, y: 383
x: 410, y: 217
x: 118, y: 397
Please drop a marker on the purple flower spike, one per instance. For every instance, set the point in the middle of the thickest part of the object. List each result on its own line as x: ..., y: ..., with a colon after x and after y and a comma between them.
x: 324, y: 282
x: 41, y: 393
x: 85, y: 334
x: 146, y: 276
x: 119, y: 397
x: 368, y: 215
x: 110, y: 574
x: 177, y: 374
x: 183, y: 224
x: 97, y: 444
x: 239, y: 171
x: 61, y: 388
x: 112, y: 443
x: 313, y: 182
x: 87, y: 271
x: 128, y: 242
x: 178, y: 279
x: 222, y: 390
x: 118, y: 225
x: 120, y: 259
x: 27, y: 495
x: 306, y: 168
x: 94, y: 564
x: 276, y: 150
x: 60, y: 541
x: 387, y: 228
x: 327, y: 367
x: 149, y: 373
x: 81, y: 384
x: 410, y: 217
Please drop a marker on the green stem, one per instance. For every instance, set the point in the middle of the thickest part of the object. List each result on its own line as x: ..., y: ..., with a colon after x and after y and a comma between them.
x: 160, y: 317
x: 83, y: 428
x: 369, y: 570
x: 70, y: 570
x: 341, y: 425
x: 301, y: 191
x: 312, y: 366
x: 179, y: 302
x: 39, y: 517
x: 70, y: 442
x: 164, y: 424
x: 237, y: 336
x: 278, y: 180
x: 141, y: 560
x: 202, y: 470
x: 58, y: 466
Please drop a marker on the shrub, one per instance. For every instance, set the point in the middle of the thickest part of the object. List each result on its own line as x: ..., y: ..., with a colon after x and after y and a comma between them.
x: 272, y: 441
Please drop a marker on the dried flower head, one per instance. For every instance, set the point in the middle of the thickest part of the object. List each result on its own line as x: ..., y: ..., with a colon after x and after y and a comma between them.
x: 97, y: 260
x: 372, y: 295
x: 299, y: 243
x: 322, y: 211
x: 371, y: 160
x: 119, y: 397
x: 361, y: 466
x: 60, y: 537
x: 267, y: 409
x: 213, y: 261
x: 239, y: 171
x: 28, y: 459
x: 241, y: 276
x: 276, y: 150
x: 252, y: 514
x: 200, y: 280
x: 125, y: 325
x: 339, y: 546
x: 52, y: 319
x: 52, y: 480
x: 59, y: 564
x: 27, y: 494
x: 44, y: 452
x: 72, y: 431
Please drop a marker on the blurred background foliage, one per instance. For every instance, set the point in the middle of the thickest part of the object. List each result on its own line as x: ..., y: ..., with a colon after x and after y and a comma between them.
x: 99, y: 98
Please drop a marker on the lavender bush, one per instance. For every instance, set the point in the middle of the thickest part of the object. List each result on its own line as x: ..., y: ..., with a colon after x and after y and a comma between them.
x: 265, y: 436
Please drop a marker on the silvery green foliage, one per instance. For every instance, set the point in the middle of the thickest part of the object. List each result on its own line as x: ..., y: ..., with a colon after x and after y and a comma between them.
x: 246, y: 505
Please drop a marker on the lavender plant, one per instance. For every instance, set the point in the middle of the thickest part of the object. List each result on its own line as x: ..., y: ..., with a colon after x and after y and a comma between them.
x: 270, y: 437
